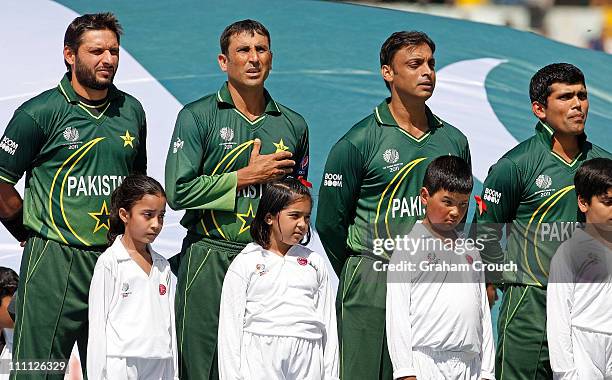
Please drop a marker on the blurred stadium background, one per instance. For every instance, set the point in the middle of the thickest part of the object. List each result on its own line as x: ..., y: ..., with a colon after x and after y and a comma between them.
x: 582, y: 23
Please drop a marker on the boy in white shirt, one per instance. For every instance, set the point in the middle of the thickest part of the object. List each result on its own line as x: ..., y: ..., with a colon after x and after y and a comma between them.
x: 438, y: 320
x: 579, y: 297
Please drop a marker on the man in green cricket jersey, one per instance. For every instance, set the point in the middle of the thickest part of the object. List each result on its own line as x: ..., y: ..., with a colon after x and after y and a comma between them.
x: 225, y: 147
x: 529, y: 192
x: 370, y: 192
x: 76, y: 143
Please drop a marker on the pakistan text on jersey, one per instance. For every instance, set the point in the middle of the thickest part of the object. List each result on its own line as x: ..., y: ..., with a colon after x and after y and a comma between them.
x: 558, y: 231
x: 251, y: 191
x: 402, y: 207
x: 93, y: 185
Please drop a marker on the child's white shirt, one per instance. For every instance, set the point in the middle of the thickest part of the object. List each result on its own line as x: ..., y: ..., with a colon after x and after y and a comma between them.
x: 268, y: 294
x: 130, y: 314
x: 437, y: 310
x: 579, y: 295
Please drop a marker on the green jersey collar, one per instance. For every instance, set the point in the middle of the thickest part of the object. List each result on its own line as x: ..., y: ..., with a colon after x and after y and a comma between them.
x: 65, y: 87
x: 224, y: 97
x: 384, y: 117
x: 545, y: 133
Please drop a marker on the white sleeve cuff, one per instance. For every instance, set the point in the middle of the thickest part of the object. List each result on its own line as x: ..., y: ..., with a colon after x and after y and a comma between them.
x: 404, y: 372
x: 571, y: 374
x: 487, y: 375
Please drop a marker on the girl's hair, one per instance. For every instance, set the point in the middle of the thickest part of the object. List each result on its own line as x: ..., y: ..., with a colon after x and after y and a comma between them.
x: 131, y: 190
x: 8, y: 282
x: 277, y: 195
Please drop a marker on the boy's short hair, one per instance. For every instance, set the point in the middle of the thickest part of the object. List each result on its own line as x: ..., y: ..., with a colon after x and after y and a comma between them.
x: 594, y: 178
x: 450, y: 173
x: 8, y: 282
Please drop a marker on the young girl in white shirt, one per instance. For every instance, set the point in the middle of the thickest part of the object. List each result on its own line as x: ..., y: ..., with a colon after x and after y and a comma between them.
x: 277, y: 317
x: 131, y: 302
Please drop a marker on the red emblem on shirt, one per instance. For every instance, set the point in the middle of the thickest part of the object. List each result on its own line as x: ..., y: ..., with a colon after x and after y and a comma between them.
x: 162, y: 289
x: 302, y: 260
x: 469, y: 259
x: 482, y: 206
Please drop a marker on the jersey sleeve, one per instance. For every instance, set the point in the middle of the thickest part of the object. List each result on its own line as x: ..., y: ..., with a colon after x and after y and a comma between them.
x: 101, y: 291
x: 186, y: 186
x: 19, y: 147
x: 140, y: 163
x: 327, y: 310
x: 499, y: 200
x: 399, y: 327
x: 302, y: 157
x: 338, y: 196
x: 559, y: 301
x: 487, y: 351
x: 231, y: 319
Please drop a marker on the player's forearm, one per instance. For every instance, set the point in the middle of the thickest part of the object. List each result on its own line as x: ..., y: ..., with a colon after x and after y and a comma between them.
x: 10, y: 201
x: 216, y: 192
x: 333, y: 237
x: 11, y: 212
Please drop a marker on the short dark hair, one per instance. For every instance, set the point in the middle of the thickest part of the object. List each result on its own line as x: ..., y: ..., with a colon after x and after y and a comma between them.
x: 400, y: 40
x: 8, y: 282
x: 594, y: 178
x: 277, y: 195
x: 539, y: 87
x: 87, y: 22
x: 450, y: 173
x: 132, y: 189
x: 243, y: 26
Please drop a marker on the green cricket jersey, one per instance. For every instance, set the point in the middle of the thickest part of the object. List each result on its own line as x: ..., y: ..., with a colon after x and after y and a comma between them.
x: 532, y: 189
x: 73, y: 160
x: 211, y: 141
x: 372, y: 178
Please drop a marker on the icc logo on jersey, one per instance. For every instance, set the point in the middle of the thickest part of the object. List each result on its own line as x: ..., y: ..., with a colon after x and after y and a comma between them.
x: 391, y: 156
x: 226, y: 133
x: 543, y: 181
x: 71, y: 134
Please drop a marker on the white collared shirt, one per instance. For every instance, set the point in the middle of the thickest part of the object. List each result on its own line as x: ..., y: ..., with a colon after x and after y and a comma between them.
x: 579, y: 295
x: 440, y: 310
x: 267, y: 294
x: 130, y: 314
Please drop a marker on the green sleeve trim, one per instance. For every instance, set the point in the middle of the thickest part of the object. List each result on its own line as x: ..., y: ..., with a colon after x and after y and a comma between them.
x: 7, y: 180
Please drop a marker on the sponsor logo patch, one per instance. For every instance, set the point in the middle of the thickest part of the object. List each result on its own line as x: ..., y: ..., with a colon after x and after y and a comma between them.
x: 332, y: 180
x: 492, y: 195
x: 162, y: 289
x: 302, y: 261
x: 8, y: 145
x: 178, y: 144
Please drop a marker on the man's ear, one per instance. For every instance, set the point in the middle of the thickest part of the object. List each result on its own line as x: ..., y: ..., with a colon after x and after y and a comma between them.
x: 387, y: 72
x: 69, y: 55
x: 539, y: 110
x: 222, y: 60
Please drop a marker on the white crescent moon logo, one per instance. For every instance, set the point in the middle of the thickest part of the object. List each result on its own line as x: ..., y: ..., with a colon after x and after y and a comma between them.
x: 460, y: 98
